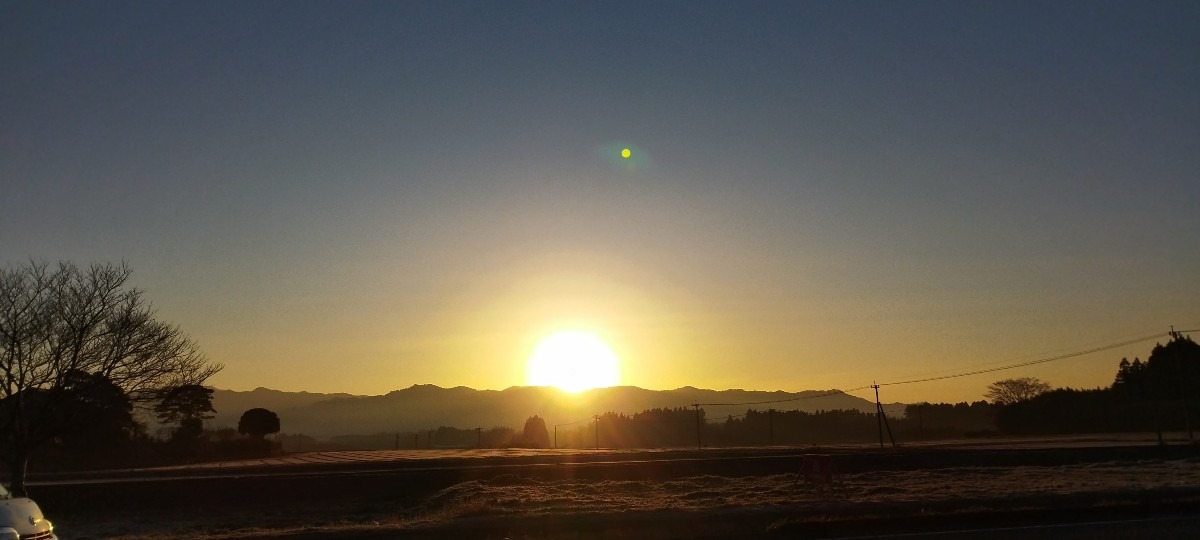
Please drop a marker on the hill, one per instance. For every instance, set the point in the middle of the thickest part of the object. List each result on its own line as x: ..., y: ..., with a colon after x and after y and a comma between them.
x: 423, y: 407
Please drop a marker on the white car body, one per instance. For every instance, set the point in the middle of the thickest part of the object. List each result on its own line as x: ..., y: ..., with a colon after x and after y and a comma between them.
x: 21, y: 519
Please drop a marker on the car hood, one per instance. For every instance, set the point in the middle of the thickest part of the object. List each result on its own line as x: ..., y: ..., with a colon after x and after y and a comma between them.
x: 23, y: 515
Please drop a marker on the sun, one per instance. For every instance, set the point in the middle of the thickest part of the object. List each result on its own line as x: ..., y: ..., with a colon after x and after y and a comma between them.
x: 573, y: 360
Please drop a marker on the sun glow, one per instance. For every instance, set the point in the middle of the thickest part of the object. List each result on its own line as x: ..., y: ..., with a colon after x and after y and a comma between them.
x: 573, y: 361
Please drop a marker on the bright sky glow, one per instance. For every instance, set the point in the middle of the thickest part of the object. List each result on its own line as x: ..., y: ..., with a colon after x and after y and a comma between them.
x: 573, y: 361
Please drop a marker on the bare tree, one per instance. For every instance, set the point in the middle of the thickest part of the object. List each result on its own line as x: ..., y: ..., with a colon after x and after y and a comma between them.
x: 1009, y: 391
x: 57, y: 322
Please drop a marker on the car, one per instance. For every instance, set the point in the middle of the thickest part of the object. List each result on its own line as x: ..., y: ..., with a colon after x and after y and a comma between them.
x: 21, y: 519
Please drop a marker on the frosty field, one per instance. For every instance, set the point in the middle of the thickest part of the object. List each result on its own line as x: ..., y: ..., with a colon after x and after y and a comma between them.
x: 542, y: 505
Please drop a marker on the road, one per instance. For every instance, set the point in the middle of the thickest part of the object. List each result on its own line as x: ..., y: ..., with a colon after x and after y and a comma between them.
x: 1161, y: 528
x: 1157, y: 528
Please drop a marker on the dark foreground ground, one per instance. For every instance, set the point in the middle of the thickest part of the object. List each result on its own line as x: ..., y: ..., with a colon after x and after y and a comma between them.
x: 681, y: 494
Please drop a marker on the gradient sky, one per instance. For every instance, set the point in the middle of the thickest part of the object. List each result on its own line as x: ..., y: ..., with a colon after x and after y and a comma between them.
x: 358, y: 197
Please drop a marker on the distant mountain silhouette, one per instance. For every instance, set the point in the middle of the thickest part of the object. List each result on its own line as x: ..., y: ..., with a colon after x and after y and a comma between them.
x: 423, y: 407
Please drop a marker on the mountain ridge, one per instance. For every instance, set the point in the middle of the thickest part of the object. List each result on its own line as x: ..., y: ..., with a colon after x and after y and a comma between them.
x: 427, y: 406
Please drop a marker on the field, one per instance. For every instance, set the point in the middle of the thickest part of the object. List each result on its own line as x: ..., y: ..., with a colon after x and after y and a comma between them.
x: 665, y: 494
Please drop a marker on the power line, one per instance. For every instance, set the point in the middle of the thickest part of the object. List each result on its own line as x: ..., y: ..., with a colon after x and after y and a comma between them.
x: 629, y: 419
x: 588, y: 419
x: 718, y: 420
x: 1033, y: 362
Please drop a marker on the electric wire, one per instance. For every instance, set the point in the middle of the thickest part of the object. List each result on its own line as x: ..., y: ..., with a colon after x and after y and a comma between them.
x: 1029, y: 362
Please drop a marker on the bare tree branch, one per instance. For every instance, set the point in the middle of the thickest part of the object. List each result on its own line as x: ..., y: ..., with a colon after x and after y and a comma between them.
x: 1009, y: 391
x: 56, y: 323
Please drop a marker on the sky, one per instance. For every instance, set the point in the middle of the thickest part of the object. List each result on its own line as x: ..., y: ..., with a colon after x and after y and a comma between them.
x: 362, y: 196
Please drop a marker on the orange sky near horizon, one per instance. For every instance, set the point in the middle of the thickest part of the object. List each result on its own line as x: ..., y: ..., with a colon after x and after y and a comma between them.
x: 665, y: 337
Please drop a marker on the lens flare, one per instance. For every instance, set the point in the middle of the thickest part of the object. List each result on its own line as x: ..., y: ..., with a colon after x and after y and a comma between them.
x: 624, y: 155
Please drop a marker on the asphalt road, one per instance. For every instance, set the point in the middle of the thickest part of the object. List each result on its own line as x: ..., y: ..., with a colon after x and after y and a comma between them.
x: 1157, y: 528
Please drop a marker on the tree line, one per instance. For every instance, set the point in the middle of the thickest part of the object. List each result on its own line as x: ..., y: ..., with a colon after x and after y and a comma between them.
x: 759, y: 427
x: 533, y: 435
x: 1156, y: 395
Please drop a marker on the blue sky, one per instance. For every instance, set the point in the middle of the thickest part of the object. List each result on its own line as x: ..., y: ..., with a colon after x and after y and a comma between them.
x: 362, y: 196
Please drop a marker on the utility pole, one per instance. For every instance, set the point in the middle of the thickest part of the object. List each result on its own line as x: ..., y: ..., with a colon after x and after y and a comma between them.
x: 1187, y: 420
x: 1187, y: 409
x: 699, y: 445
x: 397, y: 441
x: 556, y: 436
x: 878, y: 413
x: 597, y: 418
x: 771, y: 427
x: 881, y: 419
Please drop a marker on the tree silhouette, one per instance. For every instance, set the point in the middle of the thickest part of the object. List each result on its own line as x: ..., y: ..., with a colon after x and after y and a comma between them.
x: 95, y: 421
x: 535, y: 433
x: 258, y: 423
x: 1172, y: 371
x: 1009, y: 391
x: 59, y: 321
x: 1130, y: 381
x: 187, y: 405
